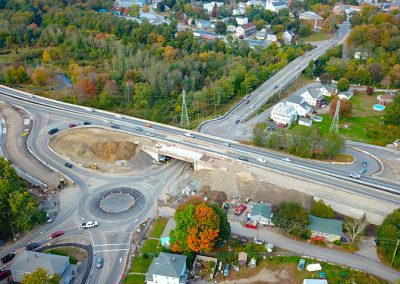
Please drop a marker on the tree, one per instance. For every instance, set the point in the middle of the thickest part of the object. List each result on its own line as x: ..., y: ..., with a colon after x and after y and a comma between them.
x: 41, y: 76
x: 197, y: 227
x: 134, y: 10
x: 388, y: 234
x: 214, y: 11
x: 291, y: 217
x: 346, y: 107
x: 41, y: 276
x: 220, y: 27
x: 160, y: 6
x: 392, y: 114
x: 46, y: 56
x: 320, y: 209
x: 355, y: 227
x: 343, y: 84
x: 304, y: 29
x: 224, y: 226
x: 369, y: 91
x: 259, y: 134
x: 145, y: 9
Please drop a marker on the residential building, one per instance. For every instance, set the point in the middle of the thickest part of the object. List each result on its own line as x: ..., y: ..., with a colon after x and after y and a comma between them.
x: 287, y: 36
x: 129, y: 3
x: 283, y: 113
x: 242, y: 259
x: 29, y: 261
x: 275, y: 6
x: 313, y: 96
x: 261, y: 34
x: 305, y: 121
x: 242, y: 20
x: 314, y: 19
x: 271, y: 37
x: 167, y: 268
x: 208, y: 7
x: 205, y: 34
x: 261, y: 213
x: 348, y: 9
x: 231, y: 29
x: 246, y: 30
x: 256, y: 43
x: 360, y: 55
x: 301, y: 107
x: 345, y: 95
x: 238, y: 11
x: 329, y: 229
x: 164, y: 239
x: 386, y: 98
x: 328, y: 90
x: 203, y: 24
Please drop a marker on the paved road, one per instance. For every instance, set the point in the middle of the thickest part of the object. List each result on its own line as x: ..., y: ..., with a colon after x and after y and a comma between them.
x: 329, y: 255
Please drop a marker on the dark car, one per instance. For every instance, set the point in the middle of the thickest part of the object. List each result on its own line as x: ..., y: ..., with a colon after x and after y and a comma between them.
x: 68, y: 165
x: 115, y: 126
x: 32, y: 246
x: 276, y: 87
x: 7, y: 257
x: 72, y: 125
x: 87, y: 123
x: 243, y: 158
x: 4, y: 273
x: 52, y: 131
x: 237, y: 121
x: 2, y: 242
x: 138, y: 128
x: 57, y: 234
x: 99, y: 262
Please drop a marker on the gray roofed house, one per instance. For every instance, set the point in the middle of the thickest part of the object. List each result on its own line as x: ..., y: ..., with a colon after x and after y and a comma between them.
x: 275, y: 6
x: 261, y: 213
x: 314, y: 19
x: 167, y: 268
x: 330, y: 229
x: 313, y: 96
x: 29, y: 261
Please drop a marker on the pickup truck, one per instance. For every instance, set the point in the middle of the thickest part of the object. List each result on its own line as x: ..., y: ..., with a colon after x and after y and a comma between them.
x: 90, y: 224
x: 240, y: 209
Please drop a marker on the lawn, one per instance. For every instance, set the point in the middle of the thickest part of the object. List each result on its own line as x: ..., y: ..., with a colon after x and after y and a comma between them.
x: 315, y: 36
x: 135, y: 279
x: 151, y: 246
x: 141, y: 264
x: 158, y: 228
x: 63, y: 252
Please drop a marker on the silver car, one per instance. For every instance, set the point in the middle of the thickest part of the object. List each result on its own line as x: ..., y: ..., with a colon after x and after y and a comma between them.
x: 99, y: 262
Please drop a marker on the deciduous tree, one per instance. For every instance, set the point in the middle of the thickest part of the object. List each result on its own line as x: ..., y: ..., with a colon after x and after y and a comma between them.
x: 320, y: 209
x: 355, y: 227
x: 388, y: 234
x: 41, y: 276
x: 346, y: 107
x: 291, y: 217
x: 343, y: 84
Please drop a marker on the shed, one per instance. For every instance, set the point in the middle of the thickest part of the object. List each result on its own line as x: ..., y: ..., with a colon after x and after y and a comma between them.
x: 261, y: 213
x: 242, y: 260
x: 305, y: 121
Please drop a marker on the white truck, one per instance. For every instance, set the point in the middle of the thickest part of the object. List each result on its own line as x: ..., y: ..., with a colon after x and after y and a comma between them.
x: 90, y: 224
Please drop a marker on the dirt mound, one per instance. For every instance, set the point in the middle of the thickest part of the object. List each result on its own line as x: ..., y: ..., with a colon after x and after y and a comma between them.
x: 113, y: 151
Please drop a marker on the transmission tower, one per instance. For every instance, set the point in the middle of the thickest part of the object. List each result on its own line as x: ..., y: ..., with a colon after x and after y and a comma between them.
x: 335, y: 121
x: 184, y: 114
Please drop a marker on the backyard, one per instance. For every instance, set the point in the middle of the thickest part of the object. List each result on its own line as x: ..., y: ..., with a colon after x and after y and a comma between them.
x: 315, y: 36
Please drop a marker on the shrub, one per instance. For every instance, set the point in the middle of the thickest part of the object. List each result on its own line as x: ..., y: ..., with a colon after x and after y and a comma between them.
x: 337, y: 242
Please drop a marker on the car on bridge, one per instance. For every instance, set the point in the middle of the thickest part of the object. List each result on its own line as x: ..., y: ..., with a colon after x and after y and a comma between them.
x: 57, y: 234
x: 7, y: 257
x: 90, y: 224
x: 286, y: 159
x: 356, y: 176
x: 53, y: 130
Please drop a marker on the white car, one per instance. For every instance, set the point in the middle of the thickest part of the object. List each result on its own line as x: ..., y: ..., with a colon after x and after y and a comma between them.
x: 89, y: 109
x: 252, y: 106
x: 356, y: 176
x: 261, y: 160
x: 286, y: 159
x: 119, y: 116
x: 90, y: 224
x: 189, y: 134
x: 149, y: 134
x: 106, y: 121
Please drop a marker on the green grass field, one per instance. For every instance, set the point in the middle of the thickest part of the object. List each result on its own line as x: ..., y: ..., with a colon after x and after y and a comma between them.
x: 140, y: 264
x: 158, y: 228
x: 315, y: 36
x: 135, y: 279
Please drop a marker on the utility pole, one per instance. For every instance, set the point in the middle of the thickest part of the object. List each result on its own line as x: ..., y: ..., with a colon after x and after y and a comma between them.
x: 394, y: 253
x: 12, y: 229
x: 335, y: 122
x: 184, y: 114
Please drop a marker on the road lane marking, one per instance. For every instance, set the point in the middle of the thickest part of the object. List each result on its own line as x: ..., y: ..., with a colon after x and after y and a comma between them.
x: 111, y: 245
x: 108, y: 250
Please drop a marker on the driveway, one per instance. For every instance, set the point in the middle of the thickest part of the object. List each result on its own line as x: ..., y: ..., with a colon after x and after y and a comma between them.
x: 348, y: 259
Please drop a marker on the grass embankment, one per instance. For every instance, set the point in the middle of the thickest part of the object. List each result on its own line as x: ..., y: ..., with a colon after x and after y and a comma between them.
x: 315, y: 36
x: 74, y: 254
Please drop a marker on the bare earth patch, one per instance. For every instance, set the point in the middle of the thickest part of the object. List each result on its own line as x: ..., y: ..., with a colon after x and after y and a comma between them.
x: 101, y: 149
x: 282, y: 274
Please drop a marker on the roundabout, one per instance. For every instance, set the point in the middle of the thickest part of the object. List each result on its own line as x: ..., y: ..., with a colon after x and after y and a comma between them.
x: 117, y: 202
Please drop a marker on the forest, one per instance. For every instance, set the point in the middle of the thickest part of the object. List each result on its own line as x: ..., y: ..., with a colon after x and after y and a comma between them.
x: 120, y: 65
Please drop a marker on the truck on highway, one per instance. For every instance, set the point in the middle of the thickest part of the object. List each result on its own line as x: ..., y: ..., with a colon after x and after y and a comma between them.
x: 90, y: 224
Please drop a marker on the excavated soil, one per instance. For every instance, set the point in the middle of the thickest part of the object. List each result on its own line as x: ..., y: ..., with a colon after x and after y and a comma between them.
x: 101, y: 150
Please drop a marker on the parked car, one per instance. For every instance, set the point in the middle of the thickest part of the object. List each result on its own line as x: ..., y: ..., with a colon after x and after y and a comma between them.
x: 227, y: 270
x: 251, y: 225
x: 240, y: 209
x: 99, y: 262
x: 68, y: 165
x: 365, y: 164
x: 301, y: 264
x: 87, y: 123
x: 32, y: 246
x: 4, y: 273
x: 258, y: 241
x: 53, y: 130
x: 114, y: 126
x: 7, y: 257
x: 356, y: 176
x: 72, y: 125
x: 57, y: 234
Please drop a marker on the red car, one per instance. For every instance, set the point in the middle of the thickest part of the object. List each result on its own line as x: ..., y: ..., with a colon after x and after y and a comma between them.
x: 57, y: 234
x: 240, y: 209
x: 4, y: 273
x: 251, y: 225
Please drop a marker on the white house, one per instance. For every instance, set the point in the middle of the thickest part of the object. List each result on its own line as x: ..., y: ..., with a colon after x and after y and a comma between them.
x: 261, y: 213
x: 312, y: 96
x: 329, y: 229
x: 231, y: 29
x: 275, y: 6
x: 271, y: 37
x: 283, y: 113
x: 167, y: 268
x: 305, y: 121
x: 261, y: 34
x: 327, y: 90
x: 345, y: 95
x: 246, y: 30
x: 287, y: 36
x: 238, y: 11
x: 210, y: 6
x: 242, y: 20
x: 301, y: 107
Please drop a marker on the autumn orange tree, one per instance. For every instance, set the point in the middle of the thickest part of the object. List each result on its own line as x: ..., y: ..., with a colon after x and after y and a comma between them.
x: 197, y: 227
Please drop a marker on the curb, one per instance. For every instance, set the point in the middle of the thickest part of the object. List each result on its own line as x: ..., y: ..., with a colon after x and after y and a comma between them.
x: 372, y: 156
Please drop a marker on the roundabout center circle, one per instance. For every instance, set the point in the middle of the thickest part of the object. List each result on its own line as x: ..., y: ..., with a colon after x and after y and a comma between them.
x: 117, y: 202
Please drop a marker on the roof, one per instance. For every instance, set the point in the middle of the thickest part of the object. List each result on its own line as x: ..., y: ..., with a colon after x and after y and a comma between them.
x: 295, y: 99
x: 242, y: 256
x: 328, y: 226
x: 248, y: 26
x: 29, y: 261
x: 310, y: 16
x: 315, y: 93
x: 261, y: 209
x: 167, y: 264
x: 283, y: 108
x: 279, y: 3
x: 304, y: 119
x: 171, y: 224
x: 329, y: 87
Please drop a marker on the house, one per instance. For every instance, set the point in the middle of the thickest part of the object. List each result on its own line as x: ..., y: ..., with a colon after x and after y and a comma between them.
x: 386, y: 98
x: 330, y: 229
x: 283, y: 113
x: 360, y: 55
x: 271, y: 37
x: 203, y: 24
x: 231, y: 29
x: 315, y: 281
x: 261, y: 213
x: 242, y: 20
x: 208, y: 7
x: 129, y: 3
x: 301, y: 107
x: 305, y: 121
x: 246, y: 30
x: 261, y: 34
x: 314, y: 19
x: 345, y: 95
x: 205, y: 34
x: 287, y: 36
x: 275, y: 6
x: 167, y: 268
x: 256, y: 43
x: 327, y: 90
x: 29, y: 261
x: 242, y: 259
x: 313, y: 96
x: 171, y: 224
x: 238, y: 11
x: 348, y: 9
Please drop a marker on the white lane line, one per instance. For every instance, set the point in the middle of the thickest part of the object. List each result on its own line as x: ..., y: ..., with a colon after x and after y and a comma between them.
x: 108, y: 250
